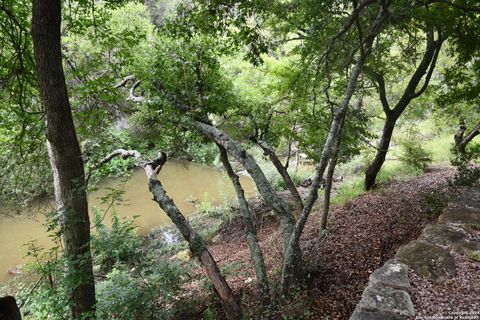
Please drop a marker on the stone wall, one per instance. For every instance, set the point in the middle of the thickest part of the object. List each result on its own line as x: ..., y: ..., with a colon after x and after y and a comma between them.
x: 387, y: 295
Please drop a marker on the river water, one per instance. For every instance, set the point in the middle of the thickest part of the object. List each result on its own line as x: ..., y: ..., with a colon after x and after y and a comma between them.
x: 186, y: 183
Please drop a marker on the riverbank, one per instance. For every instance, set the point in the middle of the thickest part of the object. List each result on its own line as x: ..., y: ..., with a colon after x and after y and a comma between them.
x: 191, y: 185
x: 362, y: 235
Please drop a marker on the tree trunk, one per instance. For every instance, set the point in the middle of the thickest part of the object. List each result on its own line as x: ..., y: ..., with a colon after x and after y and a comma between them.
x: 377, y: 163
x: 329, y: 182
x: 197, y: 245
x: 461, y: 141
x: 263, y: 186
x: 287, y: 220
x: 297, y: 199
x: 424, y: 68
x: 327, y: 194
x: 65, y: 158
x: 9, y: 309
x: 289, y: 270
x: 250, y: 231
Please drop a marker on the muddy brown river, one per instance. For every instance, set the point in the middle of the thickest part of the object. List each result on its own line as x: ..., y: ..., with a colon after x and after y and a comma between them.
x: 187, y: 183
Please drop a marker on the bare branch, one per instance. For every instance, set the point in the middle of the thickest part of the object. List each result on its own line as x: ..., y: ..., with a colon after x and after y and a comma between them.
x: 155, y: 165
x: 134, y: 98
x: 125, y: 81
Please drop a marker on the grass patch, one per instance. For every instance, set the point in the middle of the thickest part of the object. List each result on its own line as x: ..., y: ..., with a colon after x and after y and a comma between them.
x: 353, y: 186
x: 440, y: 148
x: 348, y: 191
x: 393, y: 170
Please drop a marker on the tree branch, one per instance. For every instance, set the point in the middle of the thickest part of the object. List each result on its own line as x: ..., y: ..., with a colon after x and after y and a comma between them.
x: 438, y: 46
x: 380, y: 79
x: 472, y: 134
x: 124, y: 81
x: 195, y: 241
x: 133, y: 97
x: 156, y: 164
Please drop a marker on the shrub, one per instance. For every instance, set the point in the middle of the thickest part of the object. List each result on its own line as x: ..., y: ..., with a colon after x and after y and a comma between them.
x: 146, y: 295
x: 468, y: 170
x: 118, y: 244
x: 414, y: 155
x: 45, y: 298
x: 348, y: 191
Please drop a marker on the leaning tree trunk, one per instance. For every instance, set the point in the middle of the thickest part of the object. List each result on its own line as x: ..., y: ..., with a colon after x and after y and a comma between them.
x: 65, y: 157
x: 235, y: 150
x: 250, y: 230
x: 461, y: 140
x: 330, y: 172
x: 290, y: 249
x: 197, y: 245
x: 289, y: 272
x: 297, y: 199
x: 377, y: 163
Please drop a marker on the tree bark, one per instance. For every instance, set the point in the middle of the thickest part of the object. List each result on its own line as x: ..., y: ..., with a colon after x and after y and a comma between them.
x: 329, y: 182
x: 377, y: 163
x: 65, y: 157
x: 289, y: 271
x: 197, y: 245
x: 287, y: 220
x: 425, y: 67
x: 461, y: 141
x: 250, y: 230
x: 241, y: 155
x: 297, y: 199
x: 9, y: 309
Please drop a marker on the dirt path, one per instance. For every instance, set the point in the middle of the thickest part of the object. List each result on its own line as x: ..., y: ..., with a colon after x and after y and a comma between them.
x: 362, y: 235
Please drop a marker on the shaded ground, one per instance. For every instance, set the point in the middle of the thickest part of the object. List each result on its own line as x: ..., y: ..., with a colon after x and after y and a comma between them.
x: 361, y: 236
x: 458, y: 296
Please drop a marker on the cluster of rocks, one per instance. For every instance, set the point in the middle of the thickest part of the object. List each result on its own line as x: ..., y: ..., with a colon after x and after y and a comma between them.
x: 387, y: 295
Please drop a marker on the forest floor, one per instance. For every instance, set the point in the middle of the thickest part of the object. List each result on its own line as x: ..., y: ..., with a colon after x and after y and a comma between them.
x: 362, y: 234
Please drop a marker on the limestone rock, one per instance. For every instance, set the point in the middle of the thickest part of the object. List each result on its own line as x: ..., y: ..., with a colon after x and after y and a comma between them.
x: 377, y: 298
x: 428, y: 260
x: 460, y: 216
x: 469, y: 200
x: 442, y: 234
x: 392, y: 274
x: 374, y: 315
x: 465, y: 247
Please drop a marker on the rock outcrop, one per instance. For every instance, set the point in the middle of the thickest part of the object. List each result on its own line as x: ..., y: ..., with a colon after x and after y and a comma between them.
x: 387, y: 296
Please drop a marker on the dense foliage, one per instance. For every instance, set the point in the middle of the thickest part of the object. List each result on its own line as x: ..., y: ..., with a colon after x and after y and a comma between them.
x: 257, y: 86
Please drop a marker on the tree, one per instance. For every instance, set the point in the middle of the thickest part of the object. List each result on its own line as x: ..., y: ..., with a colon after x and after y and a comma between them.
x: 20, y: 111
x: 459, y: 91
x: 195, y: 107
x: 424, y: 68
x: 438, y: 22
x: 195, y: 241
x: 65, y: 157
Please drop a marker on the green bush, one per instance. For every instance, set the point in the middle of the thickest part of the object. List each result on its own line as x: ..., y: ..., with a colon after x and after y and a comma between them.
x: 45, y: 298
x: 414, y: 155
x: 119, y: 243
x: 146, y: 295
x: 468, y: 169
x: 205, y: 153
